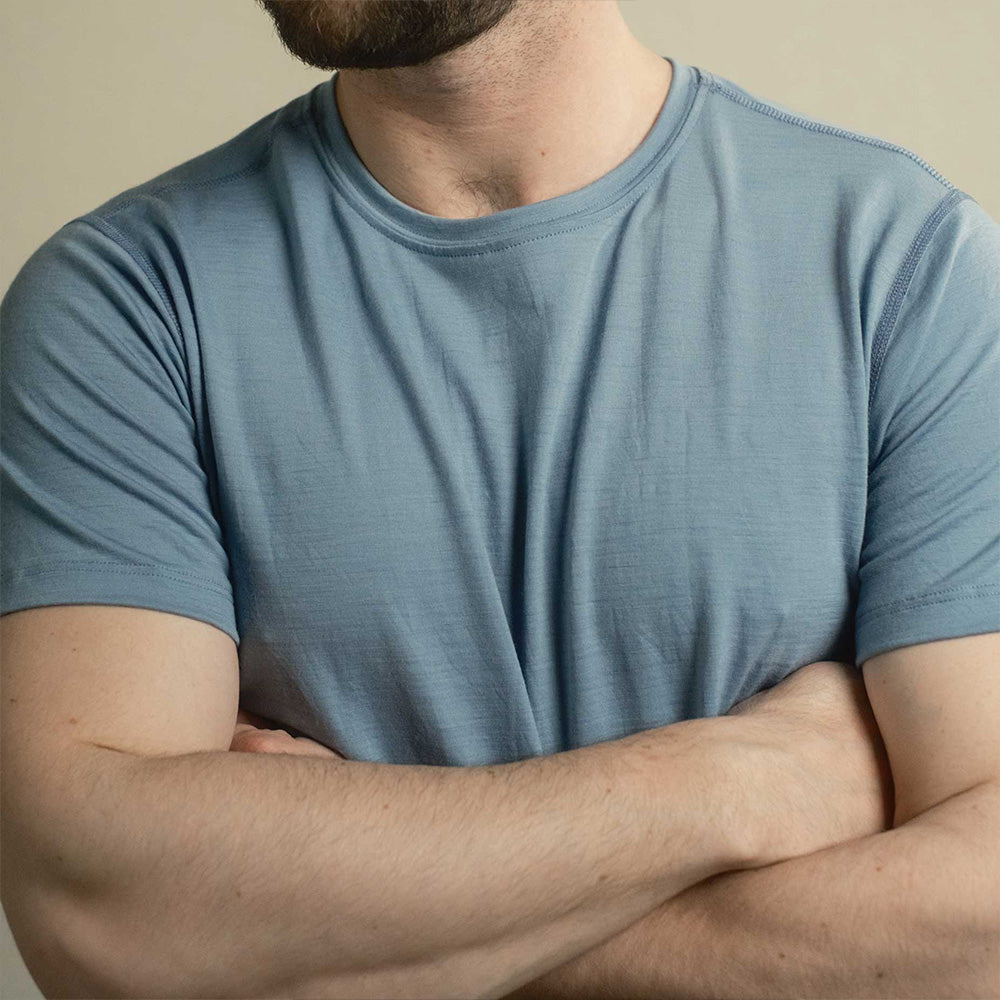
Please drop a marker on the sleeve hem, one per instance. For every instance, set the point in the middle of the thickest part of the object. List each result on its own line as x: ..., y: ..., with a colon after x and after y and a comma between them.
x: 95, y: 582
x: 969, y: 611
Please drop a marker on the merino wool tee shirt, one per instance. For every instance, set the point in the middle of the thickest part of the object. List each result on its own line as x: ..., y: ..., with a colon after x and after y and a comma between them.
x: 475, y: 490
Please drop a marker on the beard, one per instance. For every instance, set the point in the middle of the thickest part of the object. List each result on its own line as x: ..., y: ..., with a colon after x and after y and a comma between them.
x: 379, y: 34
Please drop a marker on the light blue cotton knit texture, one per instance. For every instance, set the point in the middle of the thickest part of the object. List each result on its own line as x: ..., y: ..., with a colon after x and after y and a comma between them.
x: 474, y: 490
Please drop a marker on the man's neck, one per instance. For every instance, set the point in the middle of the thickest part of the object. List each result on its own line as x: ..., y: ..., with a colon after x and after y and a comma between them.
x: 533, y: 111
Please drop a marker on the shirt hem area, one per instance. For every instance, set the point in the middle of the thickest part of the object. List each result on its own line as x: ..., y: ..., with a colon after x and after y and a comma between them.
x: 135, y: 586
x: 948, y: 615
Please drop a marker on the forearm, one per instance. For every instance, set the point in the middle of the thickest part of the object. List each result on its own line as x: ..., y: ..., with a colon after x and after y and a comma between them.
x: 910, y: 912
x: 229, y: 874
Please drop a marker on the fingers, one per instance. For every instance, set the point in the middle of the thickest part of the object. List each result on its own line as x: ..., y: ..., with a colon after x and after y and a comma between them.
x: 278, y: 741
x: 255, y: 734
x: 249, y: 718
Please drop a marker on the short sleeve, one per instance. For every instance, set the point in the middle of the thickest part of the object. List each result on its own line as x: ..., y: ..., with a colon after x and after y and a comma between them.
x: 930, y: 559
x: 103, y: 496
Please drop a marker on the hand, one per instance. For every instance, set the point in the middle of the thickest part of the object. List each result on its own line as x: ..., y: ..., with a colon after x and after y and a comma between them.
x: 255, y: 734
x: 827, y: 772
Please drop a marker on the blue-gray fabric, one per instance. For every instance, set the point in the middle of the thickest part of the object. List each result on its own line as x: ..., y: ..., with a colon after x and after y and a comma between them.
x: 475, y: 490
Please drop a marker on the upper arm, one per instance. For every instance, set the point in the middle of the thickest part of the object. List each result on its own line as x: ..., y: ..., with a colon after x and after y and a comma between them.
x: 135, y: 680
x: 118, y: 619
x: 937, y: 705
x: 130, y: 679
x: 927, y: 622
x: 117, y: 613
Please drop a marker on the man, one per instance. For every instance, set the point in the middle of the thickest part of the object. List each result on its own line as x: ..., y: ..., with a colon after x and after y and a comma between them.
x: 517, y: 396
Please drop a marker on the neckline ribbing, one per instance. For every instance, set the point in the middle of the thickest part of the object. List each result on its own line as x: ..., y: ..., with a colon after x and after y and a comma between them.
x: 432, y: 233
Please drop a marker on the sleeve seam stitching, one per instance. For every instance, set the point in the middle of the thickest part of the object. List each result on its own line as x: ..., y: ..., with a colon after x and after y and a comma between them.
x: 139, y: 258
x: 125, y: 569
x: 901, y: 284
x: 957, y: 593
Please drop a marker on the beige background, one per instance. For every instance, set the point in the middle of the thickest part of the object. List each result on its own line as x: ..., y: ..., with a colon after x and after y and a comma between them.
x: 99, y: 95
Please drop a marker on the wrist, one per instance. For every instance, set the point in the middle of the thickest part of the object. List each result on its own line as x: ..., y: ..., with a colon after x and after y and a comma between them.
x: 707, y: 780
x: 748, y: 776
x: 736, y: 808
x: 760, y: 790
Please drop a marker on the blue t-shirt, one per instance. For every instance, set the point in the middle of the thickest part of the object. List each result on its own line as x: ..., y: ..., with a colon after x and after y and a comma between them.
x: 475, y: 490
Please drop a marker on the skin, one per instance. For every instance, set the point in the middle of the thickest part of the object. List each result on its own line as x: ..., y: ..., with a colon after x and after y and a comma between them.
x: 255, y: 734
x: 463, y: 108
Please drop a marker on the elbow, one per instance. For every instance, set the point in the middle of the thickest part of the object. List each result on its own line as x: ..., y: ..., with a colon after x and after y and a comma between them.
x: 59, y: 943
x: 77, y: 949
x: 983, y: 958
x: 978, y: 832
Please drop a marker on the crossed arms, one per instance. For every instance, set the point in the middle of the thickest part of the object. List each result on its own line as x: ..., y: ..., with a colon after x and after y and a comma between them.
x: 187, y: 871
x: 910, y: 912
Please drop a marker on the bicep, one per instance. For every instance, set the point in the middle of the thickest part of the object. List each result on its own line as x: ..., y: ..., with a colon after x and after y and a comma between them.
x: 936, y: 704
x: 134, y: 679
x: 139, y: 681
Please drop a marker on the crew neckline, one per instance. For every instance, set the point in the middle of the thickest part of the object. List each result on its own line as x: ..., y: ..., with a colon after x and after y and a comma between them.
x: 406, y: 224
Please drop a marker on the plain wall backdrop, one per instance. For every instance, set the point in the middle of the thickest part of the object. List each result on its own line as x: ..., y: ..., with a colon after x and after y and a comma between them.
x: 100, y: 95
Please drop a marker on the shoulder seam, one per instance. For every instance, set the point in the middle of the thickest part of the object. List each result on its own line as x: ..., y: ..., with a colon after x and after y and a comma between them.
x: 117, y: 236
x: 101, y: 221
x: 714, y: 84
x: 901, y: 284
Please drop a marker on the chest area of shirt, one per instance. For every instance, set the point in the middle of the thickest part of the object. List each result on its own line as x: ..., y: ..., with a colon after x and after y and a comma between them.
x: 642, y: 499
